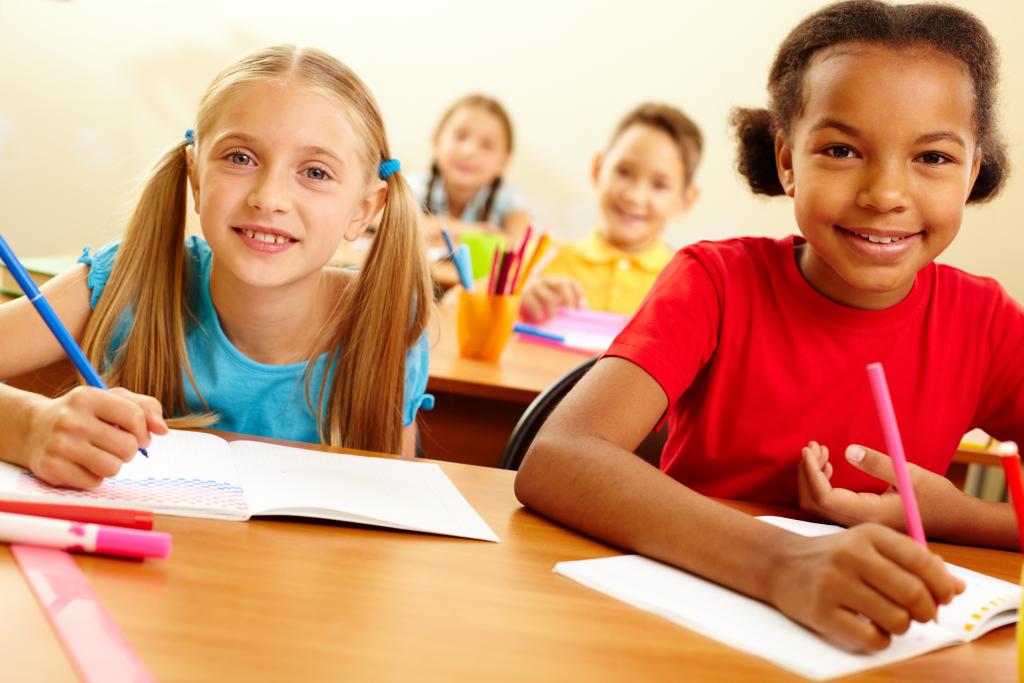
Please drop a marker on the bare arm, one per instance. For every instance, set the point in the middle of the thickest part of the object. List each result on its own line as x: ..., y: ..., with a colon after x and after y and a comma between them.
x: 83, y: 436
x: 580, y: 471
x: 409, y: 442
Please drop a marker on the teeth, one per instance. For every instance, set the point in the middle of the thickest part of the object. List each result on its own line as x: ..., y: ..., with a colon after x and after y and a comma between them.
x: 264, y: 237
x: 879, y: 240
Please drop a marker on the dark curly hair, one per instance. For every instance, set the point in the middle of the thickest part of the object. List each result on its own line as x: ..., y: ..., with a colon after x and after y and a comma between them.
x: 942, y: 27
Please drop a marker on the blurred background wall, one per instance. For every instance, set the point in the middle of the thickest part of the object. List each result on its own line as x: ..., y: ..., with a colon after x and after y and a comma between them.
x: 91, y: 92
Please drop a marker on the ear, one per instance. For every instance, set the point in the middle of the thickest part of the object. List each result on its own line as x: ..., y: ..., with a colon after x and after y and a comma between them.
x: 784, y: 164
x: 595, y: 168
x: 190, y: 163
x: 368, y: 208
x: 690, y: 197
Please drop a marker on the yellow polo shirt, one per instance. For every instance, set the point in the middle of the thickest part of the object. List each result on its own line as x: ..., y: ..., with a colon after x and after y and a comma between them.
x: 612, y: 280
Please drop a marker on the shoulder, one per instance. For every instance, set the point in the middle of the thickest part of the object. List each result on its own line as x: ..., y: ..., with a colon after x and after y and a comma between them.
x: 417, y: 183
x: 960, y: 292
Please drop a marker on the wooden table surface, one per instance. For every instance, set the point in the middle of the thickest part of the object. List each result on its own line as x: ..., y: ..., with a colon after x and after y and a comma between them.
x: 279, y: 600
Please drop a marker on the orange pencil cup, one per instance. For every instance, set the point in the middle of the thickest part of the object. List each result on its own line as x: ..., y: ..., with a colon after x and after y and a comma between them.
x: 485, y: 323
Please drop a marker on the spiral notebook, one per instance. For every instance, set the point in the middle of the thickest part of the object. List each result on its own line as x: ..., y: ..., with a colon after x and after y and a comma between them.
x: 196, y: 474
x: 761, y: 630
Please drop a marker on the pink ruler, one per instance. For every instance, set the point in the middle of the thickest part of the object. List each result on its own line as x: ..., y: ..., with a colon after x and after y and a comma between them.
x: 97, y: 648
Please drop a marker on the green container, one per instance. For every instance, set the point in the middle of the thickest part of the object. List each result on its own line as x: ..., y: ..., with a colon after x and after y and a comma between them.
x: 482, y: 246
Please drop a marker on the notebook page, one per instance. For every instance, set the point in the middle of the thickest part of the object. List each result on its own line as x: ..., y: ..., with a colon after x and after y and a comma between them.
x: 736, y: 620
x: 187, y: 473
x: 399, y: 494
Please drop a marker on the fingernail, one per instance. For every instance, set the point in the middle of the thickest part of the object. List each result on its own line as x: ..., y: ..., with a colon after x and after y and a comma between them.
x: 854, y: 453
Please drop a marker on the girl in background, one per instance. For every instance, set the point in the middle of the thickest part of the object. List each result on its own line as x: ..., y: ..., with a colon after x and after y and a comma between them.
x: 245, y: 329
x: 465, y: 190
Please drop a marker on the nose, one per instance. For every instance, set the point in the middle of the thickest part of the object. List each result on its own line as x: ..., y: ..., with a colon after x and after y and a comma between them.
x: 885, y: 186
x: 635, y: 192
x: 271, y: 193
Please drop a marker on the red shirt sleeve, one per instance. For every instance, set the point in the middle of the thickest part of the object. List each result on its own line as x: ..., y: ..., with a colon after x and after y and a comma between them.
x: 675, y: 331
x: 1001, y: 404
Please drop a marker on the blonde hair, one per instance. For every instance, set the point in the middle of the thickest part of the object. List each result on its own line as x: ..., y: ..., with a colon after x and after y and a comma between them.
x: 379, y: 316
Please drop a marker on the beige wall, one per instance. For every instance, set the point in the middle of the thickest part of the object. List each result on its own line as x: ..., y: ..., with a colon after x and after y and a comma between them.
x: 92, y: 91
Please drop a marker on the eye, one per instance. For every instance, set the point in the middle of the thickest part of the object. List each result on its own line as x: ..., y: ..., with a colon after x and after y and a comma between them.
x: 839, y: 152
x: 239, y: 158
x: 934, y: 158
x: 317, y: 173
x: 622, y: 171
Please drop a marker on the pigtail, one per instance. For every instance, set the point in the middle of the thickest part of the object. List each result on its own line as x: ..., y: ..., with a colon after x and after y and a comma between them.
x: 383, y: 313
x: 149, y: 278
x: 755, y: 133
x: 995, y: 167
x: 485, y: 215
x: 428, y: 203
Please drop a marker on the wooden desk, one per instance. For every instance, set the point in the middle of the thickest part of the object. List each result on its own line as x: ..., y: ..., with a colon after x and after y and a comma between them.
x: 478, y: 403
x: 299, y: 601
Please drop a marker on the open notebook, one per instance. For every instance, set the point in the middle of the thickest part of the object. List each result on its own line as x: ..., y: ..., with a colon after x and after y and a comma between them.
x: 194, y: 474
x: 586, y: 331
x: 754, y: 627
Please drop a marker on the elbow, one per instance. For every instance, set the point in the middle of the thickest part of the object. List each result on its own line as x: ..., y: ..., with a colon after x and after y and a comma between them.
x: 535, y: 476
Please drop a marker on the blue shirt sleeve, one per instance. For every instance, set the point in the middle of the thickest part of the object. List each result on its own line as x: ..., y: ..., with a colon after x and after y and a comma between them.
x: 100, y: 264
x: 417, y: 366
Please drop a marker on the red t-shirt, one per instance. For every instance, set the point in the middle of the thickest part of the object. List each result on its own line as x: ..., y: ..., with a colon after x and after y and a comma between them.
x: 755, y: 363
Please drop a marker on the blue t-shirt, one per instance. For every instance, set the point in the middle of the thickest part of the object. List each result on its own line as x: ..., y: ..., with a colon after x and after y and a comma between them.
x: 507, y: 200
x: 248, y: 397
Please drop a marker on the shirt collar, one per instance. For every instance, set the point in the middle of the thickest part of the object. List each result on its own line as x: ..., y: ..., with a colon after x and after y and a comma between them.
x: 595, y: 249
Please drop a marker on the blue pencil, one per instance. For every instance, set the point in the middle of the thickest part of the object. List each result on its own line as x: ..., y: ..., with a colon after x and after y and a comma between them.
x: 523, y: 328
x: 49, y: 316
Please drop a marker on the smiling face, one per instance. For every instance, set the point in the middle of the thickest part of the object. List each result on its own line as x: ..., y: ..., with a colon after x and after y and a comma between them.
x: 640, y: 184
x: 880, y: 163
x: 278, y: 181
x: 471, y: 148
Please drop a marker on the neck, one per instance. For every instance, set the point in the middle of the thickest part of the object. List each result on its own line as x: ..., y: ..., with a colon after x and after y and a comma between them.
x: 458, y: 198
x: 634, y: 247
x: 275, y: 326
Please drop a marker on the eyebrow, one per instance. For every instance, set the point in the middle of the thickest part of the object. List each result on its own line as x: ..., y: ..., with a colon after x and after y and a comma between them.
x: 924, y: 139
x: 313, y: 150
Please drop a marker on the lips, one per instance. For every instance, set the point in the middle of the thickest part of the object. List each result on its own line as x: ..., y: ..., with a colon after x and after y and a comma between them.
x: 879, y: 245
x: 265, y: 239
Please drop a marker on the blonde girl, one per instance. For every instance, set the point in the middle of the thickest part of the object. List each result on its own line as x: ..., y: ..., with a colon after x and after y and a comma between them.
x: 246, y: 329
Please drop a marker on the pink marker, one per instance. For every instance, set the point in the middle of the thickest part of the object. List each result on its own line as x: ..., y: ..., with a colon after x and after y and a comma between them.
x: 893, y: 442
x: 89, y: 538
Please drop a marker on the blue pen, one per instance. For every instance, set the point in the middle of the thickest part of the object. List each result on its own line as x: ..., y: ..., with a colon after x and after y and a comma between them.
x: 448, y: 242
x: 49, y: 316
x: 523, y: 328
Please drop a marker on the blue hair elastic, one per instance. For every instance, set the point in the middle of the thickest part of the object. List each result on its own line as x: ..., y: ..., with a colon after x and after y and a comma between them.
x: 190, y: 137
x: 388, y: 167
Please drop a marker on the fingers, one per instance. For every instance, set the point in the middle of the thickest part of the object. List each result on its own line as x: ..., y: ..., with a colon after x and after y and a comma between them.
x: 851, y: 632
x: 934, y: 584
x: 542, y: 297
x: 874, y: 463
x: 61, y: 472
x: 128, y: 411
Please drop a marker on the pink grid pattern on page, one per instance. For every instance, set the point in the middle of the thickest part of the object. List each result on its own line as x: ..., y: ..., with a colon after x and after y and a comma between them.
x: 147, y: 492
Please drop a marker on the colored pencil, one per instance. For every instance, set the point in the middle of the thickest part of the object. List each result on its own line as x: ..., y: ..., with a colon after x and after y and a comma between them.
x: 520, y: 253
x: 1009, y: 457
x: 893, y: 442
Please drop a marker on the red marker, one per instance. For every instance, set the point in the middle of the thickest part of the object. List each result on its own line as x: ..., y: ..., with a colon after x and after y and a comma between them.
x: 133, y: 519
x: 1010, y: 460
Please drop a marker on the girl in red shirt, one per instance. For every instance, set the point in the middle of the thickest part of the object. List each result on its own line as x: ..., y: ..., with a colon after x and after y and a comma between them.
x: 881, y: 128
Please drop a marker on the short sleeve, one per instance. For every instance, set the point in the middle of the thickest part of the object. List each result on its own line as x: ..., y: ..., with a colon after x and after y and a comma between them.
x: 100, y: 264
x: 675, y: 331
x: 508, y: 200
x: 417, y: 366
x: 1001, y: 407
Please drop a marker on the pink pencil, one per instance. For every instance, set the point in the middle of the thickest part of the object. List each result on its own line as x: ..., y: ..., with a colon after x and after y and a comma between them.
x: 520, y: 253
x: 494, y: 272
x: 887, y: 416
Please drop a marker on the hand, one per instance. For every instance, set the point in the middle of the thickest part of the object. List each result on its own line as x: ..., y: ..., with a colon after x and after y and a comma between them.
x: 858, y: 587
x: 816, y: 493
x: 87, y: 434
x: 542, y: 297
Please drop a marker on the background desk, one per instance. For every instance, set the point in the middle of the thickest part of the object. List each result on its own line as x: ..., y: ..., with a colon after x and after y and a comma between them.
x: 478, y: 403
x: 298, y: 601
